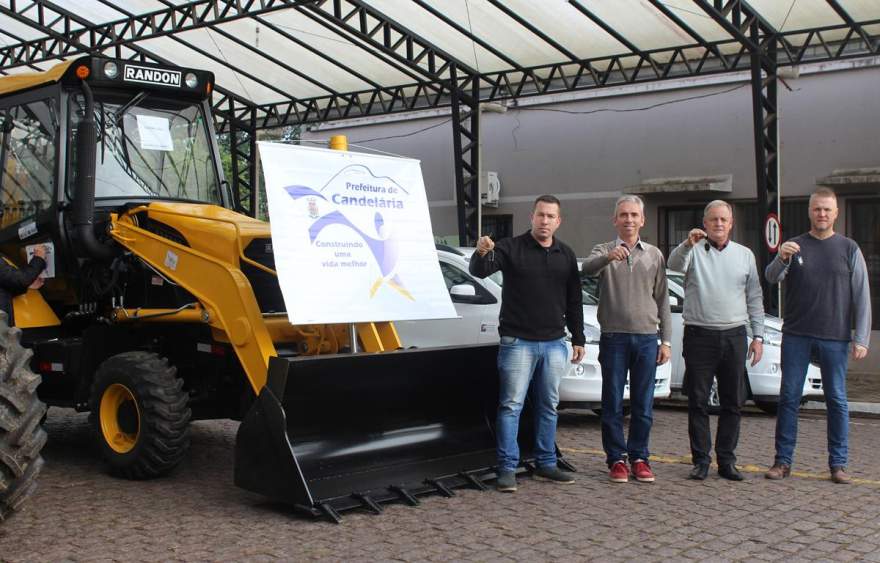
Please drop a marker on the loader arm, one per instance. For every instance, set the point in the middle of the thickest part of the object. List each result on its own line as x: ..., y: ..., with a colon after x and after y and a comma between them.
x: 224, y: 291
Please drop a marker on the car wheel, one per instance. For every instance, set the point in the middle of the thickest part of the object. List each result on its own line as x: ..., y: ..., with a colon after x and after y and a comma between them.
x: 140, y: 415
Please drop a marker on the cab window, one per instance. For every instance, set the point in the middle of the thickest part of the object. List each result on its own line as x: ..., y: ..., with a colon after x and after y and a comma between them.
x: 28, y: 156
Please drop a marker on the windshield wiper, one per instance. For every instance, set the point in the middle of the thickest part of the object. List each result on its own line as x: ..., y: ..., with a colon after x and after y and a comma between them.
x: 135, y: 100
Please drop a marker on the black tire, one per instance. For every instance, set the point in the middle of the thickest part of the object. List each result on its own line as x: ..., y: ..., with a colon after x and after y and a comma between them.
x: 21, y: 436
x: 140, y: 415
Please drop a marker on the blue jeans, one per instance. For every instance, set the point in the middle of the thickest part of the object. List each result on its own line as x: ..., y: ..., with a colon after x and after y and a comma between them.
x: 833, y: 361
x: 540, y: 363
x: 620, y: 353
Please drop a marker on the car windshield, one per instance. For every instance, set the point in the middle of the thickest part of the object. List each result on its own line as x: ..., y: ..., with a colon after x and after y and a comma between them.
x: 150, y: 148
x: 677, y: 278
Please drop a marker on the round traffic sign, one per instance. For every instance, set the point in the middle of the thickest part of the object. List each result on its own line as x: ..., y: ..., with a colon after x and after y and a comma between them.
x: 772, y: 232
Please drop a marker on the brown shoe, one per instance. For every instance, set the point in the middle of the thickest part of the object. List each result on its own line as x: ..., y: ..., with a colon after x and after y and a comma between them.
x: 778, y: 471
x: 839, y: 476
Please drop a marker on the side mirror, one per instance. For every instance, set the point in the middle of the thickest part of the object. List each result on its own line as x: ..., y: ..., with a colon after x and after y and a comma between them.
x: 463, y: 290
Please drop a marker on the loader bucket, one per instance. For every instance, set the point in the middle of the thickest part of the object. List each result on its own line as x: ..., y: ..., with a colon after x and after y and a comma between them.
x: 332, y: 433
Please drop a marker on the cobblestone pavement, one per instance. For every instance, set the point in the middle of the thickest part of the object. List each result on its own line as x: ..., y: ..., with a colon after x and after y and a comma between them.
x: 81, y: 514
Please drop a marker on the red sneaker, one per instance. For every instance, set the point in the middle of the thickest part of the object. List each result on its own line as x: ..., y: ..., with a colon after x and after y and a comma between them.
x: 642, y: 471
x: 619, y: 472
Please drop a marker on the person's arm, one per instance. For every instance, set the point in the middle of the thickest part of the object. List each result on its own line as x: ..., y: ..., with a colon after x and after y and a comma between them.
x: 755, y: 299
x: 597, y: 260
x: 680, y: 257
x: 574, y: 308
x: 17, y: 280
x: 777, y: 269
x: 661, y: 297
x: 485, y: 262
x: 861, y: 300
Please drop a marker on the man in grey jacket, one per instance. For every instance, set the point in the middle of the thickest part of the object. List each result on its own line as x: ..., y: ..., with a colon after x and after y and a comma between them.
x: 826, y: 294
x: 722, y: 294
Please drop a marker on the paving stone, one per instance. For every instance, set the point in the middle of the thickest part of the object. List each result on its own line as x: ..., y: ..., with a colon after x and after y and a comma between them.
x: 81, y: 513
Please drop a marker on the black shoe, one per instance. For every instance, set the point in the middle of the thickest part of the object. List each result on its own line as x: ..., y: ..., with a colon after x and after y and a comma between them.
x: 730, y: 472
x: 699, y: 472
x: 552, y: 474
x: 506, y: 482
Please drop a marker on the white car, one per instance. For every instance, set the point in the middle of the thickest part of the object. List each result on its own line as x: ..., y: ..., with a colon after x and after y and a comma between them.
x: 478, y: 302
x: 763, y: 379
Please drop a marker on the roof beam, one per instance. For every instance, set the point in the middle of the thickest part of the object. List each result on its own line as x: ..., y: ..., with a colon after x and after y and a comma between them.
x: 391, y: 38
x: 605, y: 27
x: 73, y: 47
x: 125, y: 31
x: 224, y: 62
x: 844, y: 15
x: 729, y: 18
x: 467, y: 33
x: 535, y: 31
x: 673, y: 17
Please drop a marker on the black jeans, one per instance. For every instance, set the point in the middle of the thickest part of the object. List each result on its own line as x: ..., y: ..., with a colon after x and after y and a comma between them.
x: 722, y: 354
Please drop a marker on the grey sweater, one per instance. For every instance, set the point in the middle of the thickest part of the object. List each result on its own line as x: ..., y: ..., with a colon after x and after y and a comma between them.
x: 826, y: 289
x: 633, y: 295
x: 722, y: 289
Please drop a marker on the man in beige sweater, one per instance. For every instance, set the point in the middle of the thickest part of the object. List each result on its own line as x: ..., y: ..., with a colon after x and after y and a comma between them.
x: 633, y: 303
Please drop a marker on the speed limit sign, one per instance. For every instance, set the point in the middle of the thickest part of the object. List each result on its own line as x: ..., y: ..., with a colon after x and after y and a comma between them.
x: 772, y: 232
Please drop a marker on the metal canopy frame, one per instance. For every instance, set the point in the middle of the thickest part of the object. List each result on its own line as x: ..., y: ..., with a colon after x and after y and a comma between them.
x: 434, y: 77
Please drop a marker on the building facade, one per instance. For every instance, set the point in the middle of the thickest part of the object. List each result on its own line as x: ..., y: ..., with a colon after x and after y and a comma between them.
x: 679, y: 144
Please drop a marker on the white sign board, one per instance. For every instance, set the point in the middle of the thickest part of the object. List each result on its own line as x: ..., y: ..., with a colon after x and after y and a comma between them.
x: 49, y: 271
x: 155, y: 133
x: 352, y: 237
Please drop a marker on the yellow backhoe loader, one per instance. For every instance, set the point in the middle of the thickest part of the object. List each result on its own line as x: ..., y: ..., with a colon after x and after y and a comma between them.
x: 162, y: 305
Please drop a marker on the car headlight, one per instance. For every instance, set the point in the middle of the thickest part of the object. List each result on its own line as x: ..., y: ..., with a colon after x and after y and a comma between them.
x: 772, y: 336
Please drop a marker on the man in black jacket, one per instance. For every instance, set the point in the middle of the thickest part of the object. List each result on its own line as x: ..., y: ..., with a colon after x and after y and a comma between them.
x: 540, y: 297
x: 15, y: 281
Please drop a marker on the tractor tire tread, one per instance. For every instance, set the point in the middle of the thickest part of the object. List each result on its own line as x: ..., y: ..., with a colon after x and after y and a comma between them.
x: 22, y: 437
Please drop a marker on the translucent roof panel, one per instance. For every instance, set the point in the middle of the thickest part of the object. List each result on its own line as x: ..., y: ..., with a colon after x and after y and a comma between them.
x: 278, y: 53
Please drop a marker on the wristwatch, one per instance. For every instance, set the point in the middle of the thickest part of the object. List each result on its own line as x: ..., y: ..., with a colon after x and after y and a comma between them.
x: 759, y: 339
x: 665, y: 343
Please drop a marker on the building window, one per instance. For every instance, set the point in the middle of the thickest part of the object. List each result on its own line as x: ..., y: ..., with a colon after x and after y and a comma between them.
x: 865, y: 230
x: 677, y: 222
x: 498, y: 226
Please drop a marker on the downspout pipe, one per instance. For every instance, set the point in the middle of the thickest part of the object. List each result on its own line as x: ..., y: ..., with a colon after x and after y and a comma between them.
x: 83, y: 205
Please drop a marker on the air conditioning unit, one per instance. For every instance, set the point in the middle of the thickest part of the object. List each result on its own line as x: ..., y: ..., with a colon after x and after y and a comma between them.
x: 490, y: 189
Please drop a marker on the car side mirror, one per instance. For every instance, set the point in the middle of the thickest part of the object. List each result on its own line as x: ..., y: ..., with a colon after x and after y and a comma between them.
x: 463, y: 290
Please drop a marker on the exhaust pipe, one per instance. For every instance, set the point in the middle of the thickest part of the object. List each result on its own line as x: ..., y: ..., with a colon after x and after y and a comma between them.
x: 83, y: 205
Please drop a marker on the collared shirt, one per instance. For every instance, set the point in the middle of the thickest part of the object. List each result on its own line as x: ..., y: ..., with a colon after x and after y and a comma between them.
x: 633, y: 294
x: 716, y: 246
x: 541, y: 294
